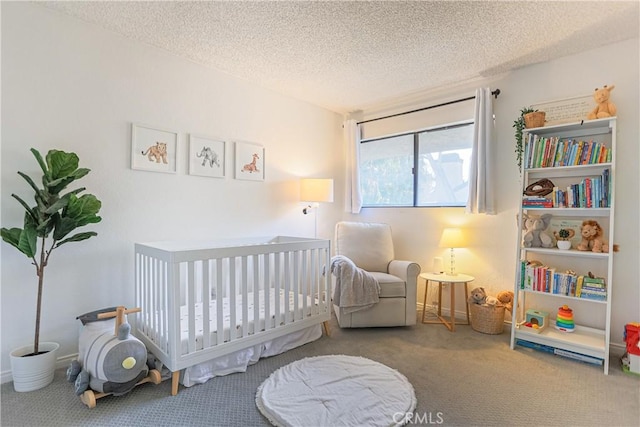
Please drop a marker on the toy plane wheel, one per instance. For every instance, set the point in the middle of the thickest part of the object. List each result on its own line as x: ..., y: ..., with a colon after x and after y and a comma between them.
x: 155, y: 377
x: 89, y: 398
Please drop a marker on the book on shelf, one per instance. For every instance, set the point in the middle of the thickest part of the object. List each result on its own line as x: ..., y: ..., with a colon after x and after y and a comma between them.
x: 542, y: 152
x: 591, y: 287
x: 556, y: 224
x: 559, y: 352
x: 590, y: 192
x: 542, y: 278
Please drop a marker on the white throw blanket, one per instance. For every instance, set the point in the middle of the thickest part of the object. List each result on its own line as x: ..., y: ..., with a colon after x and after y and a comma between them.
x: 356, y: 289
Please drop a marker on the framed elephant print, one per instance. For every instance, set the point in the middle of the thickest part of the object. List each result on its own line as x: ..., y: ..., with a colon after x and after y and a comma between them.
x: 207, y: 156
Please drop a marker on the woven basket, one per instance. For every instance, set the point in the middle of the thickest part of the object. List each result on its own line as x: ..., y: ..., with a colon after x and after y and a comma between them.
x: 488, y: 319
x: 534, y: 120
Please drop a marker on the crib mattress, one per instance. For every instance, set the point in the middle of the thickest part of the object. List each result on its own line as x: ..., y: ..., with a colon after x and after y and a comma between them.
x: 287, y: 314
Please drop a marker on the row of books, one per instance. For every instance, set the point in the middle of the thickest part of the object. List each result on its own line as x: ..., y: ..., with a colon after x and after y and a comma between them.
x: 543, y: 152
x: 547, y: 279
x: 560, y: 352
x: 593, y: 192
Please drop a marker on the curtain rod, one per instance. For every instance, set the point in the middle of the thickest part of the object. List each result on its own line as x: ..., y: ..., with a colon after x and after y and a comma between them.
x: 495, y: 93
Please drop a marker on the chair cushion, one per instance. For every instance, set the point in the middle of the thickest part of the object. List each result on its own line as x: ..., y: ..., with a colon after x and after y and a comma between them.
x: 390, y: 286
x: 368, y: 245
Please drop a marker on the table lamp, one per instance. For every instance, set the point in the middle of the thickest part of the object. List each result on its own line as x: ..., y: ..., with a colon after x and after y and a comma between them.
x: 452, y: 238
x: 314, y: 191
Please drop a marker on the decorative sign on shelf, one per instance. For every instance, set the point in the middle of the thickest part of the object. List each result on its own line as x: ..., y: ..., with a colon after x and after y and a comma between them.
x: 566, y: 110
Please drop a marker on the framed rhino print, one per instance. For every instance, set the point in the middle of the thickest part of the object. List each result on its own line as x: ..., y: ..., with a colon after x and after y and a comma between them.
x: 207, y: 156
x: 153, y: 149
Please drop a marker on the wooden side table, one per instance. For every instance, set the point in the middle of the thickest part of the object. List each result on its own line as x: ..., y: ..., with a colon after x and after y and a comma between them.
x: 452, y: 280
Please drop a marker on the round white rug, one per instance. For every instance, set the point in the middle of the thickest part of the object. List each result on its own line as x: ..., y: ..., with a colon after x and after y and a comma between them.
x: 336, y: 391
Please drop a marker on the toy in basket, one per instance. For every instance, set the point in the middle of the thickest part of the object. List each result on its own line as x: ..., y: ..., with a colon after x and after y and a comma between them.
x: 110, y: 359
x: 486, y: 312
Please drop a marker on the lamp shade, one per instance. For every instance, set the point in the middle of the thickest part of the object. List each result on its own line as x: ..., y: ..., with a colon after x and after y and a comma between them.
x: 316, y: 190
x: 452, y: 238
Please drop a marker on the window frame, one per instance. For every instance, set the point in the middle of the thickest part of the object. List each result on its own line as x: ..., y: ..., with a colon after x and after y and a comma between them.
x: 416, y: 159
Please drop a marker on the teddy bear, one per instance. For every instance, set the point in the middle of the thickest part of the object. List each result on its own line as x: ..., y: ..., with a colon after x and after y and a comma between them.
x: 506, y: 299
x: 605, y: 108
x: 592, y: 237
x: 535, y: 235
x: 479, y: 296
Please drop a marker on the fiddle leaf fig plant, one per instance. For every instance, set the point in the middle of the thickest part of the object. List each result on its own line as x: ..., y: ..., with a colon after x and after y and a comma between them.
x: 49, y: 224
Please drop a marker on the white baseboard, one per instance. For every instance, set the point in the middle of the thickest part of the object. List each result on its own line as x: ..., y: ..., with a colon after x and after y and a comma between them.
x: 61, y: 362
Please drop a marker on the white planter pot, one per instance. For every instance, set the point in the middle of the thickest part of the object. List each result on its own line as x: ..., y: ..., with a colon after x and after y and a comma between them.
x: 564, y: 244
x: 33, y: 372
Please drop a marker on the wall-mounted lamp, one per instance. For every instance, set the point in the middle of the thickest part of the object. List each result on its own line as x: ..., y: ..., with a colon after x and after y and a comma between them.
x: 452, y: 238
x: 314, y: 191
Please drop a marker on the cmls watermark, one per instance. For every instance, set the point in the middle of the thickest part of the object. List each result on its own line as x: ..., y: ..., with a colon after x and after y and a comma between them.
x: 418, y: 419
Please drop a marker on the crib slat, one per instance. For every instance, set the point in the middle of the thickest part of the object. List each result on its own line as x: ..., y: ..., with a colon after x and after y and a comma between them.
x: 174, y: 338
x: 287, y: 287
x: 276, y: 289
x: 245, y: 292
x: 256, y: 294
x: 232, y: 299
x: 219, y: 301
x: 191, y: 308
x: 267, y: 293
x: 206, y: 297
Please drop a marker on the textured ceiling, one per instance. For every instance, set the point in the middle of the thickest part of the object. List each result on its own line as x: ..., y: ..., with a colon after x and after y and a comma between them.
x: 346, y: 55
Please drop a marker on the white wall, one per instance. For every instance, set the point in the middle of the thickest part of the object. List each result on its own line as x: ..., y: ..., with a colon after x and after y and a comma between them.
x: 492, y: 251
x: 71, y: 86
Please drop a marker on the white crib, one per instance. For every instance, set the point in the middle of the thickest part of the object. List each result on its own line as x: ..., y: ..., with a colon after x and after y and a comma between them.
x: 256, y: 290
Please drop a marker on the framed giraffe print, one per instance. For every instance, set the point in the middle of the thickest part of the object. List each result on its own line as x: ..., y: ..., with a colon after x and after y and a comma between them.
x: 249, y: 161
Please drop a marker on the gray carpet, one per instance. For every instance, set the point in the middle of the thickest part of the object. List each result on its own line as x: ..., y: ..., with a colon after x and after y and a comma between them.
x: 461, y: 379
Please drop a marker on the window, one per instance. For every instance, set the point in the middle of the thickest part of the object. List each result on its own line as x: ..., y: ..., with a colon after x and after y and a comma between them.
x: 440, y: 158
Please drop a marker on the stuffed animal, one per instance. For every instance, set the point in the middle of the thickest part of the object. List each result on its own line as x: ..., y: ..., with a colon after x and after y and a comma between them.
x: 479, y: 296
x: 506, y: 299
x: 592, y: 237
x: 535, y: 235
x: 109, y: 360
x: 605, y: 108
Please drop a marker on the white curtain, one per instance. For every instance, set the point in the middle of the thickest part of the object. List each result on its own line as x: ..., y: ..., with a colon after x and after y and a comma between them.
x: 353, y: 196
x: 481, y: 188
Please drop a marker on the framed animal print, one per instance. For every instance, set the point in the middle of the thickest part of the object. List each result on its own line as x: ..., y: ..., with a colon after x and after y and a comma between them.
x: 207, y: 156
x: 249, y: 161
x: 153, y: 149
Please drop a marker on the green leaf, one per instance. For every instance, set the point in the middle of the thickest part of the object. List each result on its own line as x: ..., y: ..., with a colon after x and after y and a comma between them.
x: 11, y: 236
x: 30, y: 211
x: 30, y: 182
x: 61, y: 164
x: 23, y: 240
x: 63, y: 226
x: 28, y: 241
x: 40, y: 161
x: 80, y: 211
x: 77, y: 237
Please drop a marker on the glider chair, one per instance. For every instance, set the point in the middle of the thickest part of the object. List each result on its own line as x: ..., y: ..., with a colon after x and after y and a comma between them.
x: 370, y: 247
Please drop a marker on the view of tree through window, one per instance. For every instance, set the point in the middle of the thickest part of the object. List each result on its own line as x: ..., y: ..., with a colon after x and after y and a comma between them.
x: 440, y: 157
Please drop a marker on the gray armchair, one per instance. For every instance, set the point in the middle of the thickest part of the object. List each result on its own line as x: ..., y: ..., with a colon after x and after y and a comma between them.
x: 370, y: 247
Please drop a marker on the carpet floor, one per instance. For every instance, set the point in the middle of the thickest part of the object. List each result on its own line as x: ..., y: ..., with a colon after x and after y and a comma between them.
x: 460, y: 379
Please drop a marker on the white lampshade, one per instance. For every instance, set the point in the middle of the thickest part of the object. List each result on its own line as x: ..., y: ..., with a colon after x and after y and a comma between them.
x: 452, y: 238
x: 316, y: 190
